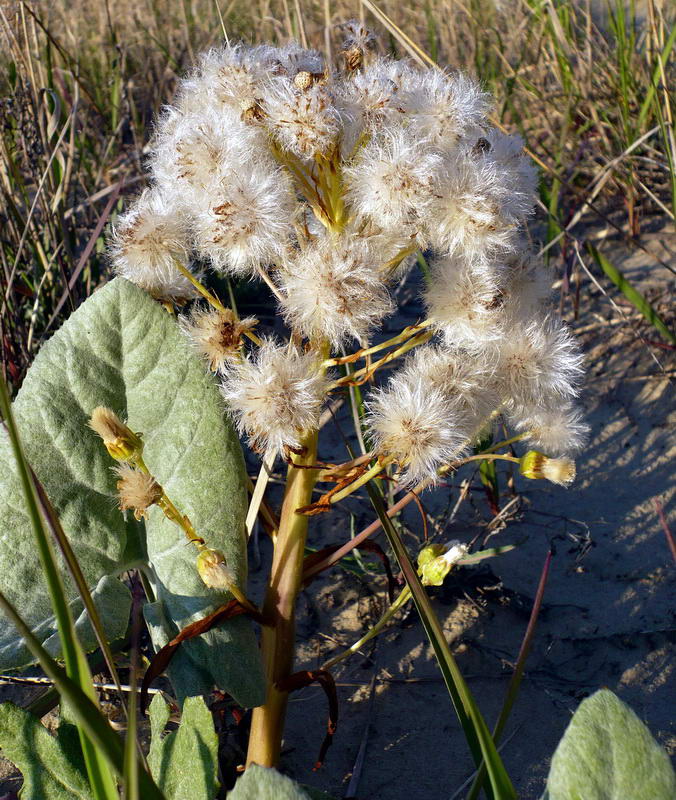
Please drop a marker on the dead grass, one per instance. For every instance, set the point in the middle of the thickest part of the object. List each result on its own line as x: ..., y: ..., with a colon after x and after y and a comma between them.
x: 586, y: 85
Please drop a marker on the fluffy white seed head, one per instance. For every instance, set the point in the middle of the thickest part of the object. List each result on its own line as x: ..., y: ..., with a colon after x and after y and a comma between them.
x: 465, y: 302
x: 538, y: 360
x: 557, y: 429
x: 334, y: 179
x: 191, y: 149
x: 525, y: 283
x: 462, y: 376
x: 374, y: 97
x: 227, y: 78
x: 292, y: 59
x: 447, y: 109
x: 420, y: 428
x: 275, y: 395
x: 392, y: 181
x: 146, y: 244
x: 486, y: 193
x: 334, y: 289
x: 302, y: 120
x: 248, y: 219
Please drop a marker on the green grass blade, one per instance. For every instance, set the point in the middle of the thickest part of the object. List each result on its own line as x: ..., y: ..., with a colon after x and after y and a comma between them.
x: 515, y: 682
x: 52, y: 520
x: 480, y: 555
x: 83, y: 709
x: 100, y: 778
x: 662, y: 60
x: 631, y: 293
x: 474, y: 726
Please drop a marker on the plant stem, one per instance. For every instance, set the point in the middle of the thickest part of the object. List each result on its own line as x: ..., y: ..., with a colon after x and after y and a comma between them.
x: 365, y: 373
x: 372, y: 472
x: 407, y: 333
x: 278, y: 638
x: 201, y: 288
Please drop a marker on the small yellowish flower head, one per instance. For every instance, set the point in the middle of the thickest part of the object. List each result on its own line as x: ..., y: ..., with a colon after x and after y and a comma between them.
x: 137, y: 490
x: 436, y: 560
x: 120, y: 441
x: 557, y: 470
x: 213, y: 569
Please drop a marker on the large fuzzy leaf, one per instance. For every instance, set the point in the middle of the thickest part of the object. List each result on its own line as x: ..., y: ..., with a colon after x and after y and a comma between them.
x: 184, y: 763
x: 51, y: 766
x: 262, y: 783
x: 121, y: 349
x: 607, y: 753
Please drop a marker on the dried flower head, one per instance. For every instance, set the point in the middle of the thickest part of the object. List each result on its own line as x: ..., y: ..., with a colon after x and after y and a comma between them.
x: 392, y: 180
x: 334, y: 289
x: 247, y: 220
x: 417, y: 427
x: 276, y: 395
x: 357, y: 42
x: 137, y: 490
x: 148, y: 242
x: 216, y: 335
x: 120, y: 441
x: 436, y: 560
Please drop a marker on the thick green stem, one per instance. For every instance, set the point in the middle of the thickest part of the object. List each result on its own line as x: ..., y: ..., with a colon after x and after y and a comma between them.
x: 278, y: 638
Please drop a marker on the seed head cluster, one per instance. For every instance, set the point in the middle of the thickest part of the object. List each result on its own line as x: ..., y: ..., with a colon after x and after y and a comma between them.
x: 327, y: 181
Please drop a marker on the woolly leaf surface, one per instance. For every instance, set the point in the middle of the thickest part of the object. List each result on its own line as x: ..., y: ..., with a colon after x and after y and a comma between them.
x: 123, y: 350
x: 607, y: 753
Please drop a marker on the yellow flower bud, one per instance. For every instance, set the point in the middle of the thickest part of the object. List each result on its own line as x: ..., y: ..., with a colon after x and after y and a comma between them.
x: 429, y: 553
x: 213, y: 569
x: 436, y: 560
x: 120, y: 441
x: 537, y: 465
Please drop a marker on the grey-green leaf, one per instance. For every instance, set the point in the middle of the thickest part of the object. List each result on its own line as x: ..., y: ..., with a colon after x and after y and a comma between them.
x: 262, y: 783
x: 184, y: 762
x: 123, y: 350
x: 607, y: 753
x: 49, y: 771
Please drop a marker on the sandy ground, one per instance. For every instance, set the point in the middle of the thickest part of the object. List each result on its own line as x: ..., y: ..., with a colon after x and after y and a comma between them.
x: 608, y: 615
